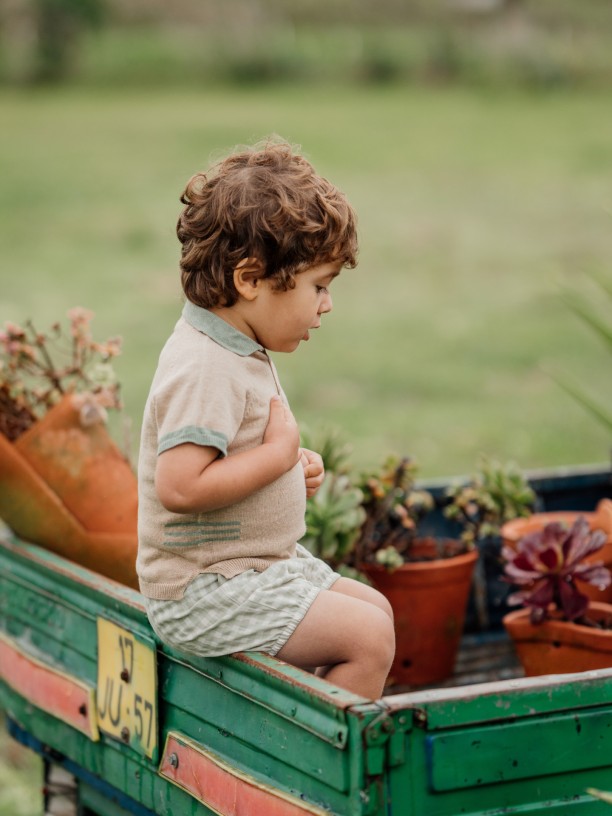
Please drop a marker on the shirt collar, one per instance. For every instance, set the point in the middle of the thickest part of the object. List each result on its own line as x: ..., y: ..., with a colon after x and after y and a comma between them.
x: 219, y: 330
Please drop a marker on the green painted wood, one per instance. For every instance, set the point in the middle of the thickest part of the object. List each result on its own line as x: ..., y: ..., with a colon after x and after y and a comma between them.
x: 510, y: 699
x: 279, y: 724
x: 539, y: 746
x: 411, y: 794
x: 98, y: 804
x: 296, y: 701
x: 440, y: 753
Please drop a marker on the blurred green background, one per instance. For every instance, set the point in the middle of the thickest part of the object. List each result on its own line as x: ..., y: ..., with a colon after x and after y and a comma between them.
x: 474, y: 138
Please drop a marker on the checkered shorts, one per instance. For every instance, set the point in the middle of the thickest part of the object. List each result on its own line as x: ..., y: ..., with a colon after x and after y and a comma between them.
x: 256, y: 611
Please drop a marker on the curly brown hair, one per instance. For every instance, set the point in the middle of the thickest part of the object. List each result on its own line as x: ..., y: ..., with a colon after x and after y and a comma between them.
x: 265, y: 202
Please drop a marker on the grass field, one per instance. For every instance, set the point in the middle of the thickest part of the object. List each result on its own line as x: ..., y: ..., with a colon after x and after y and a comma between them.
x: 473, y: 208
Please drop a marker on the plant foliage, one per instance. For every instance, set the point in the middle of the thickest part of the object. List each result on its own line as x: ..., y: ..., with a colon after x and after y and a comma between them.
x: 496, y: 494
x: 393, y: 507
x: 602, y: 326
x: 548, y: 563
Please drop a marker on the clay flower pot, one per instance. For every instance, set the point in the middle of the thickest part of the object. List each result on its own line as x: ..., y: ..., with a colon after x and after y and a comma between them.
x: 561, y: 647
x: 66, y: 486
x: 429, y: 600
x: 600, y: 519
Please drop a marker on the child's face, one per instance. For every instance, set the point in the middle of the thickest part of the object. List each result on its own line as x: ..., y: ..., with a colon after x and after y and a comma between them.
x: 281, y: 320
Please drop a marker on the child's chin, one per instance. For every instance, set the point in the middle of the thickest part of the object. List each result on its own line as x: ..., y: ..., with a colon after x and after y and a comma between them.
x: 287, y: 346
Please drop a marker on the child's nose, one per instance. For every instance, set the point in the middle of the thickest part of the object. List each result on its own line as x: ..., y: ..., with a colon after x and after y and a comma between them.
x: 326, y: 304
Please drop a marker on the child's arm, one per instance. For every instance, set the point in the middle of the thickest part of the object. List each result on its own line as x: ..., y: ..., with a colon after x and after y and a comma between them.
x: 191, y: 478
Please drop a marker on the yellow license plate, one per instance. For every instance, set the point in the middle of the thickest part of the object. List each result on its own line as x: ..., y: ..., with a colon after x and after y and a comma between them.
x: 127, y: 688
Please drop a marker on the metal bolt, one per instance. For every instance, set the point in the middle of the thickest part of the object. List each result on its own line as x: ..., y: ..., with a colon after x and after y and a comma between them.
x: 420, y: 717
x: 125, y: 734
x: 174, y: 760
x: 83, y: 709
x: 125, y: 675
x: 386, y: 726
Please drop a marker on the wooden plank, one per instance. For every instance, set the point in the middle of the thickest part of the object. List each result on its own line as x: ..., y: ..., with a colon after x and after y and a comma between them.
x: 65, y: 697
x: 221, y: 787
x: 477, y: 756
x: 506, y: 699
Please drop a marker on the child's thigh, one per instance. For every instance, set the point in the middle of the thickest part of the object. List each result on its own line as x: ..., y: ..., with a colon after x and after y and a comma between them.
x: 338, y: 628
x: 357, y: 589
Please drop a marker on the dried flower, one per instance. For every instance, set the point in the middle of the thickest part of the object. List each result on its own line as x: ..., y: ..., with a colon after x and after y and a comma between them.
x: 38, y: 368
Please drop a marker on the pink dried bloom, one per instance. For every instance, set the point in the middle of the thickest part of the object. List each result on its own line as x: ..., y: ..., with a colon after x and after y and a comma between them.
x: 80, y: 320
x: 30, y: 372
x: 110, y: 348
x: 14, y: 331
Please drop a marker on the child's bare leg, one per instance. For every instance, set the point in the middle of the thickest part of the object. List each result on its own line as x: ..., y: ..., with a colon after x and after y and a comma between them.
x: 357, y: 589
x: 353, y: 638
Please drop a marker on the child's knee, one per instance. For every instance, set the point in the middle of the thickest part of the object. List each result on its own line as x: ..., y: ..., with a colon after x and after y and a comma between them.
x: 384, y: 604
x: 379, y: 639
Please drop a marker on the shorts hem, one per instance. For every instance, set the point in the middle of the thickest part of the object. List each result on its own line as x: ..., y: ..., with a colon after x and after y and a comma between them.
x: 293, y: 624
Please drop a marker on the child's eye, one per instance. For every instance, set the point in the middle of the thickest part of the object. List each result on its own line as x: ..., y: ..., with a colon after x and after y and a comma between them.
x: 321, y: 290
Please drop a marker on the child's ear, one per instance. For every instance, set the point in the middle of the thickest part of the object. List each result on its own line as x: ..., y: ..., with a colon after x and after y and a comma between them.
x: 247, y: 275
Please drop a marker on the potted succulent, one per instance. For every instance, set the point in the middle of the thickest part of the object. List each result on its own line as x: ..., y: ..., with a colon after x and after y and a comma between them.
x: 493, y: 496
x: 334, y: 515
x: 64, y: 484
x: 599, y: 519
x: 428, y: 578
x: 560, y: 629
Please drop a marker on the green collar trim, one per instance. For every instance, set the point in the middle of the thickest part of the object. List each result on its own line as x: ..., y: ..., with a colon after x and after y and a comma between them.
x: 219, y: 330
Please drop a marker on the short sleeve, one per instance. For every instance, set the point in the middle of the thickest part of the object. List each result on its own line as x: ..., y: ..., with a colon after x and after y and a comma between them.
x: 200, y: 403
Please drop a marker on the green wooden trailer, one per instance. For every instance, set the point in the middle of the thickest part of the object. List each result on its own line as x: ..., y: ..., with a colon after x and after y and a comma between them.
x: 142, y: 729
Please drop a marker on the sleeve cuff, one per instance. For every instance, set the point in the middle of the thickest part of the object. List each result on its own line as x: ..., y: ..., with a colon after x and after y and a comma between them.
x: 198, y: 436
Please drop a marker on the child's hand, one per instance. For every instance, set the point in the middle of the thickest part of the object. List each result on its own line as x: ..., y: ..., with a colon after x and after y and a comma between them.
x: 283, y: 432
x: 314, y: 472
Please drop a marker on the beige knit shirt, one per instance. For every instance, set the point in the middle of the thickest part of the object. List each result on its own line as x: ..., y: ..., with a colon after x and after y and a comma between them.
x: 212, y: 387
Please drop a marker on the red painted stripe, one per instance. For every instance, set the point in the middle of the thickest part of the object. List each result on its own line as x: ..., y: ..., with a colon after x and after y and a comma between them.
x: 61, y: 695
x: 223, y: 789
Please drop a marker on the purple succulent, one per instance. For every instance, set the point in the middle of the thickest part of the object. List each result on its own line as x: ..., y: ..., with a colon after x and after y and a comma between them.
x: 547, y: 563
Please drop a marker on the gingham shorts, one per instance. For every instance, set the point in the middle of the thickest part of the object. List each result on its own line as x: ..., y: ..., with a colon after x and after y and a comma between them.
x: 254, y: 611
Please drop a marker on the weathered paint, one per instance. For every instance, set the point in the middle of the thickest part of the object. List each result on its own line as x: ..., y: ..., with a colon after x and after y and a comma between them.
x: 291, y: 731
x: 221, y: 787
x: 520, y: 746
x: 53, y: 691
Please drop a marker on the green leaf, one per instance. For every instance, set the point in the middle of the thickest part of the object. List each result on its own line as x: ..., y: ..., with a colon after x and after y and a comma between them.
x: 588, y: 316
x: 597, y: 410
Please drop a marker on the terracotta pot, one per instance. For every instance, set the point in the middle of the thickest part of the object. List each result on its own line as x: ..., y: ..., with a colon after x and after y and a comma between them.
x: 560, y: 647
x: 429, y: 600
x: 67, y: 488
x: 600, y: 519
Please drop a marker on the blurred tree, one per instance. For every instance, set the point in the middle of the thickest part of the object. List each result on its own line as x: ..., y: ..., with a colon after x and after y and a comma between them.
x: 40, y: 37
